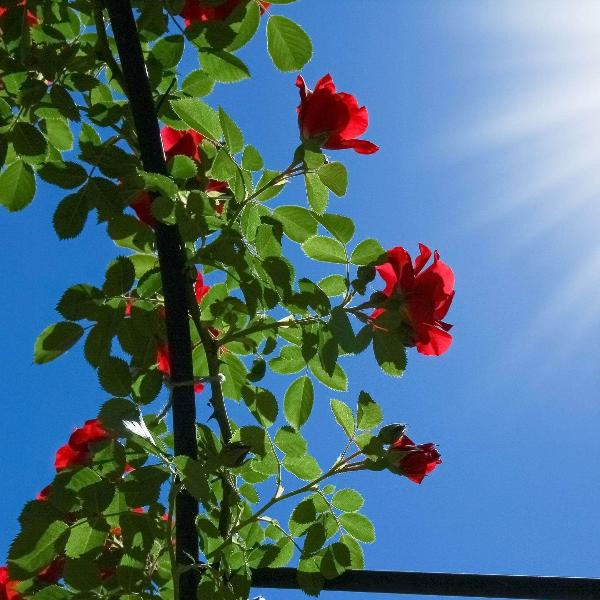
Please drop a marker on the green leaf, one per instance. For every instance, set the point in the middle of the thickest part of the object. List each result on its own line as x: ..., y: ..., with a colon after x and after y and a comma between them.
x: 115, y: 412
x: 389, y: 353
x: 289, y: 46
x: 194, y: 476
x: 35, y: 547
x: 262, y: 404
x: 336, y: 381
x: 347, y: 500
x: 303, y: 467
x: 325, y: 249
x: 81, y: 573
x: 59, y: 134
x: 251, y: 159
x: 333, y: 285
x: 115, y: 377
x: 369, y: 412
x: 223, y: 167
x: 290, y: 360
x: 344, y: 416
x: 298, y: 223
x: 302, y: 517
x: 120, y: 276
x: 198, y: 83
x: 358, y: 526
x: 67, y: 175
x: 336, y: 561
x: 357, y: 557
x: 288, y: 440
x: 29, y: 143
x: 249, y: 492
x: 298, y: 401
x: 168, y: 50
x: 142, y: 486
x: 309, y: 577
x: 335, y: 177
x: 160, y: 183
x: 199, y: 116
x: 271, y: 184
x: 232, y: 133
x: 182, y: 167
x: 317, y: 192
x: 223, y: 66
x: 53, y: 592
x: 367, y: 252
x: 99, y: 340
x: 80, y: 301
x: 86, y: 536
x: 17, y: 186
x: 341, y: 227
x: 56, y: 340
x: 341, y: 328
x: 70, y: 216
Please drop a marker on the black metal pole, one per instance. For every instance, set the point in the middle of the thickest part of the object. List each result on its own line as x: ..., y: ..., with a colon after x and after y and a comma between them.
x: 172, y: 268
x: 443, y: 584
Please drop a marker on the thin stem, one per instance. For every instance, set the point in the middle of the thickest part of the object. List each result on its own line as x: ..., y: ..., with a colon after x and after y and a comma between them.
x: 287, y: 535
x: 256, y: 328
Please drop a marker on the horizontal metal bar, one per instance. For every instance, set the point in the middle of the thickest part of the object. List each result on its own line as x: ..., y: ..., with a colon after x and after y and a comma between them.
x: 443, y: 584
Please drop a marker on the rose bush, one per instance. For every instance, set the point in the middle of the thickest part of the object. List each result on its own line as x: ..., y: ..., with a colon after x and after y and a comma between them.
x: 99, y: 529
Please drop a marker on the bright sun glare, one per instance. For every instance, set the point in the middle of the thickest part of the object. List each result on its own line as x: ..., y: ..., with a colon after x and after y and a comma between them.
x: 544, y: 124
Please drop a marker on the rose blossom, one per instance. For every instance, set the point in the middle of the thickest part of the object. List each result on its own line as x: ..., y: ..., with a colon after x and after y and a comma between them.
x: 332, y: 117
x: 200, y: 290
x: 426, y: 294
x: 163, y: 363
x: 177, y: 142
x: 414, y: 461
x: 7, y: 586
x: 198, y: 11
x: 30, y: 18
x: 77, y: 450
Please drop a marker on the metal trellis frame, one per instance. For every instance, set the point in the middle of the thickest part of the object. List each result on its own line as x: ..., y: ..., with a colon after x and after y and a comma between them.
x: 443, y: 584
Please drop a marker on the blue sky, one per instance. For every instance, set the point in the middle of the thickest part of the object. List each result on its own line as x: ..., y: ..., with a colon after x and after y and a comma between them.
x: 487, y: 118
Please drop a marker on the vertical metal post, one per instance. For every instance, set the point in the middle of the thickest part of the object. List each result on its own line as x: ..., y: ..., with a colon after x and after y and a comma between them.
x: 172, y: 268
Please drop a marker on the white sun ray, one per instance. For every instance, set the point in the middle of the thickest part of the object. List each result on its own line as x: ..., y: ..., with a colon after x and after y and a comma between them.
x: 543, y: 130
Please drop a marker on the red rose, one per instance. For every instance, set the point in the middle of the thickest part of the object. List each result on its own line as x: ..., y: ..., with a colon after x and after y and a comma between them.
x: 7, y: 586
x: 200, y: 290
x: 333, y: 116
x: 69, y: 457
x: 43, y: 495
x: 142, y: 208
x: 31, y: 20
x: 413, y: 461
x: 77, y: 450
x: 427, y: 296
x: 198, y: 11
x: 163, y: 362
x: 177, y: 142
x: 184, y: 142
x: 92, y: 431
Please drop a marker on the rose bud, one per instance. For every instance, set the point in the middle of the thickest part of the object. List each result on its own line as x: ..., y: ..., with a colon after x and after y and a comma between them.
x: 414, y: 461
